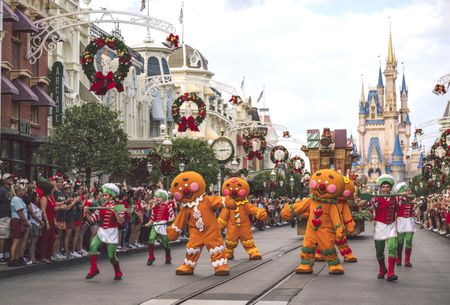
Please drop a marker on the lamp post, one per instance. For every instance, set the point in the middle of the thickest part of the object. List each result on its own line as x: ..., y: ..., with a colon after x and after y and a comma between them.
x: 234, y: 165
x: 273, y: 176
x: 181, y: 167
x: 211, y: 188
x: 291, y: 184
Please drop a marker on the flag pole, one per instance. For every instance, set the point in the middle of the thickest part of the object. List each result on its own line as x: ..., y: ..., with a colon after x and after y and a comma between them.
x: 182, y: 22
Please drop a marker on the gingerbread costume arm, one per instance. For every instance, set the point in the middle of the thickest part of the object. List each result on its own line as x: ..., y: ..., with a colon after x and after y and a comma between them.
x: 259, y: 213
x: 223, y: 218
x: 297, y: 208
x: 174, y: 231
x: 336, y: 222
x: 348, y: 219
x: 222, y: 201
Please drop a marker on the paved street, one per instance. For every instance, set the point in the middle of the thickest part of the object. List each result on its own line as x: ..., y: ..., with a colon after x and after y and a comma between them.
x: 250, y: 282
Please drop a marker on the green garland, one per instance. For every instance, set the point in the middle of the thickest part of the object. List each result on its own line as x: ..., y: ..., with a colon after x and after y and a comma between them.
x: 291, y: 165
x: 326, y: 200
x: 443, y: 141
x: 272, y: 154
x: 114, y: 43
x: 201, y: 114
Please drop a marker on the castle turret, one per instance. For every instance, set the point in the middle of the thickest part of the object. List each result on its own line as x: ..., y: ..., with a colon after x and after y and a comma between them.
x: 362, y: 118
x: 397, y: 164
x: 380, y: 89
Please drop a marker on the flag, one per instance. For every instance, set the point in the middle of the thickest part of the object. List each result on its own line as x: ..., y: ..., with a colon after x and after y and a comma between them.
x: 260, y: 96
x: 142, y: 5
x: 242, y: 83
x: 180, y: 19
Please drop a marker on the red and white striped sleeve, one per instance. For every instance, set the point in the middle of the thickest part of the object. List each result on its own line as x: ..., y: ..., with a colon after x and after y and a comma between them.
x: 95, y: 216
x: 171, y: 212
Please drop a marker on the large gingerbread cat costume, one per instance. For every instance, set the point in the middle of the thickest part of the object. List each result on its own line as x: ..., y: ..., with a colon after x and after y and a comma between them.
x: 197, y: 212
x: 237, y: 221
x: 324, y: 224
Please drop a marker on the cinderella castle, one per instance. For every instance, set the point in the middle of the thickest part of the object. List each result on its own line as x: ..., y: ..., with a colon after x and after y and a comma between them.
x: 384, y: 127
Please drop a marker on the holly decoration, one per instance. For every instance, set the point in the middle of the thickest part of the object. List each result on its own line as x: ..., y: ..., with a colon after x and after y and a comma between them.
x: 443, y: 141
x: 173, y: 40
x: 103, y: 83
x: 189, y: 122
x: 279, y: 154
x: 249, y: 138
x: 293, y: 165
x: 235, y: 99
x: 316, y: 220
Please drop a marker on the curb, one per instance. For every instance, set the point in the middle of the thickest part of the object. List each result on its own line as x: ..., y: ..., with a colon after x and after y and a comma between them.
x: 16, y: 271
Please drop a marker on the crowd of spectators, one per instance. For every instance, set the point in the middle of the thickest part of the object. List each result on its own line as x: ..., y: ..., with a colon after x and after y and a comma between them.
x: 433, y: 213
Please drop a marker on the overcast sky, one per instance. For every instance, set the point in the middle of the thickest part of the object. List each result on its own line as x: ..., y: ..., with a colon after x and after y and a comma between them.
x: 310, y: 54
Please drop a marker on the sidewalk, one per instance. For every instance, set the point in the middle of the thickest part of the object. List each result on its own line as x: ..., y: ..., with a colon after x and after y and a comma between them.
x: 6, y: 271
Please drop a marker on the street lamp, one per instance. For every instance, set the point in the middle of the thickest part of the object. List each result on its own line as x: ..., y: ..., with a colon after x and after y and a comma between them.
x: 273, y: 176
x: 234, y: 164
x: 438, y: 184
x: 167, y: 147
x: 281, y: 183
x: 149, y: 167
x: 181, y: 167
x: 211, y: 188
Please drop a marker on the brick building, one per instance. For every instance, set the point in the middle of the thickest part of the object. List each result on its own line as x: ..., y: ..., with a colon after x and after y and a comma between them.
x: 25, y: 104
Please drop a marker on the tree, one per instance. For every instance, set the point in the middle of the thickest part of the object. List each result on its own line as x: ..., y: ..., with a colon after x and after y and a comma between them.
x: 90, y: 139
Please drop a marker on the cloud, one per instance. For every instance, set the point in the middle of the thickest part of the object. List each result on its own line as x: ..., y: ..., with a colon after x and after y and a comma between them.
x: 310, y: 55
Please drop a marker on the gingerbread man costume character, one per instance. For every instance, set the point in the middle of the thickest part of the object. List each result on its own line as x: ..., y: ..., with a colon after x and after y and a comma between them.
x: 324, y: 224
x: 237, y: 221
x: 197, y: 212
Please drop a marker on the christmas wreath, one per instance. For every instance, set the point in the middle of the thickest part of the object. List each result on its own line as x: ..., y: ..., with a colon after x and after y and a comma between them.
x: 255, y: 144
x: 235, y: 99
x: 443, y: 141
x: 190, y: 122
x: 296, y: 164
x: 438, y: 152
x: 279, y: 154
x: 102, y: 83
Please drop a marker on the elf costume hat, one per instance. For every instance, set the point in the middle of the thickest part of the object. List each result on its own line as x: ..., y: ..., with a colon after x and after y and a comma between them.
x: 110, y: 188
x: 161, y: 194
x: 385, y: 178
x: 401, y: 187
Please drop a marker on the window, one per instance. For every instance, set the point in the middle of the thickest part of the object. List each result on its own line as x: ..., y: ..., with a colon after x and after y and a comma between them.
x: 34, y: 114
x: 154, y: 128
x: 15, y: 110
x: 16, y: 54
x: 17, y: 150
x: 35, y: 68
x: 153, y: 67
x: 165, y: 66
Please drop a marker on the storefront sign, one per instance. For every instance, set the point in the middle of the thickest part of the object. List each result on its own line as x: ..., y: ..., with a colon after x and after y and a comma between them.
x: 140, y: 152
x: 57, y: 86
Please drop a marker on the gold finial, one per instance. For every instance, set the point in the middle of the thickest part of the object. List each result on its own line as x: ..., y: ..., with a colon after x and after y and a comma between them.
x: 363, y: 99
x: 391, y: 55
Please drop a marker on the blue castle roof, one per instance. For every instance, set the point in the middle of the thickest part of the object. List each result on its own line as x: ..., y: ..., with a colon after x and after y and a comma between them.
x: 380, y: 79
x: 397, y: 148
x: 403, y: 88
x: 420, y: 164
x: 375, y: 145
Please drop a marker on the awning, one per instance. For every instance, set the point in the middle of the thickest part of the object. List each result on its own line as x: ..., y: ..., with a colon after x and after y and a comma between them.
x: 44, y: 98
x: 169, y: 110
x: 24, y: 24
x: 8, y: 87
x: 157, y: 112
x: 8, y: 14
x: 25, y: 92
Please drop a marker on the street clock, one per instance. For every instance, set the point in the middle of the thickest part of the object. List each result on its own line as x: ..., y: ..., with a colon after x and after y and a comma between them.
x: 223, y: 149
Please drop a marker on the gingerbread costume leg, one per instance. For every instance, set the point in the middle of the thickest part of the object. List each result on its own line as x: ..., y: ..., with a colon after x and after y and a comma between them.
x: 325, y: 239
x: 214, y: 244
x: 307, y: 255
x: 346, y: 251
x: 231, y: 241
x: 246, y: 237
x: 193, y: 249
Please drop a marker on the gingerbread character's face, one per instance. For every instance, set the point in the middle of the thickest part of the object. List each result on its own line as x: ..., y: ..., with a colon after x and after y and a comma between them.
x: 349, y: 189
x: 237, y: 188
x: 327, y: 183
x: 187, y: 186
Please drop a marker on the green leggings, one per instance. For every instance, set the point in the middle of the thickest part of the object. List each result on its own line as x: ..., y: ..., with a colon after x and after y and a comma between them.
x: 152, y: 238
x: 111, y: 249
x: 405, y: 237
x: 392, y: 247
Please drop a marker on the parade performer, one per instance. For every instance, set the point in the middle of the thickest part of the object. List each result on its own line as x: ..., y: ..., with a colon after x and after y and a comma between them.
x: 347, y: 220
x: 107, y: 232
x: 385, y: 226
x: 197, y: 212
x: 324, y: 225
x: 237, y: 221
x: 161, y: 214
x: 406, y: 224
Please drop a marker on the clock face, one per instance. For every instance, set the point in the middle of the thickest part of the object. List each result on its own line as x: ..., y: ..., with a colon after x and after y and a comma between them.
x: 223, y: 149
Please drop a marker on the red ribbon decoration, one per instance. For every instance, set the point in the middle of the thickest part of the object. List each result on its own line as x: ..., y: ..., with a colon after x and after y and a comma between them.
x: 186, y: 124
x: 104, y: 83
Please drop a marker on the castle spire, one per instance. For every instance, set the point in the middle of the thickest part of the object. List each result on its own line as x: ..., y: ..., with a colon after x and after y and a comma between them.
x: 380, y: 79
x: 363, y: 99
x: 391, y: 56
x: 403, y: 88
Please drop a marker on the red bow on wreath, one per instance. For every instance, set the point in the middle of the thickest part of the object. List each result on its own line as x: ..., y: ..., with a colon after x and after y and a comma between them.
x: 256, y: 154
x: 104, y: 83
x: 188, y: 123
